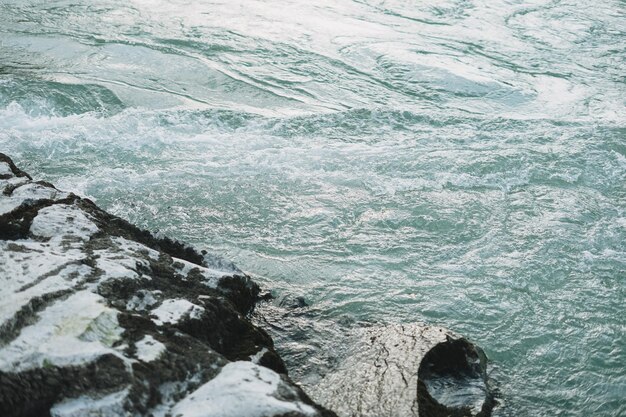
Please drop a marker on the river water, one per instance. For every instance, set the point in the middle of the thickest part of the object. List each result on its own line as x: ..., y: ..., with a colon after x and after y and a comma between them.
x: 458, y: 162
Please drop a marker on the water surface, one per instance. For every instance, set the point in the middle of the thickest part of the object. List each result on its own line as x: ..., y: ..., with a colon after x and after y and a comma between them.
x: 456, y: 162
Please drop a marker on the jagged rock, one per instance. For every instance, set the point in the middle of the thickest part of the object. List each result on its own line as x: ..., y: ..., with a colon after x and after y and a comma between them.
x: 407, y: 370
x: 100, y: 318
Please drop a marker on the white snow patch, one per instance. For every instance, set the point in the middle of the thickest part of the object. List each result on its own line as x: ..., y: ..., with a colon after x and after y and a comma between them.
x: 184, y: 267
x: 5, y: 169
x: 134, y: 248
x: 104, y: 329
x: 25, y: 192
x: 116, y: 266
x: 212, y: 276
x: 240, y: 389
x: 257, y: 356
x: 61, y: 220
x: 36, y: 191
x: 109, y: 406
x: 124, y: 259
x: 7, y: 204
x: 67, y: 278
x: 149, y: 349
x: 25, y: 268
x: 23, y: 261
x: 171, y: 311
x: 69, y: 332
x: 170, y: 391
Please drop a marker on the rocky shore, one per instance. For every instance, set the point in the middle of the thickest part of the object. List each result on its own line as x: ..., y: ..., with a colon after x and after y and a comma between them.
x: 100, y: 318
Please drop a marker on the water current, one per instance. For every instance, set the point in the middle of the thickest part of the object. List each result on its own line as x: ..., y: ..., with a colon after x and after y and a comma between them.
x: 458, y: 162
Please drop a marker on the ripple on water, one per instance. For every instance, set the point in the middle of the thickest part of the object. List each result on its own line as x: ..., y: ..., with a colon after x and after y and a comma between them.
x: 460, y: 162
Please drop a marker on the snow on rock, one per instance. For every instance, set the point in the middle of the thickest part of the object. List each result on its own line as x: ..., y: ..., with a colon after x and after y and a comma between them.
x: 256, y: 358
x: 242, y: 389
x: 28, y: 191
x: 210, y: 276
x: 25, y: 273
x: 101, y: 318
x: 63, y: 221
x: 111, y: 405
x: 35, y: 191
x: 69, y: 333
x: 149, y: 349
x: 172, y: 311
x: 5, y: 169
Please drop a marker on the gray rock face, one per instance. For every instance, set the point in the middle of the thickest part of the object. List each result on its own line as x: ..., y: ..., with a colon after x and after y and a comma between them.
x: 100, y: 318
x: 407, y: 370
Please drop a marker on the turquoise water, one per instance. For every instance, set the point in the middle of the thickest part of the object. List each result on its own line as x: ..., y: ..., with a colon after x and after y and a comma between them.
x: 456, y: 162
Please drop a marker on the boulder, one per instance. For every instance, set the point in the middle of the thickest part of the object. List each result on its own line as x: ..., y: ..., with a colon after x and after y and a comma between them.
x: 404, y: 370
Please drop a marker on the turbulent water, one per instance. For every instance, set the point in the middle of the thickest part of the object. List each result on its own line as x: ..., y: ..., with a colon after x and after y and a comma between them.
x: 459, y: 162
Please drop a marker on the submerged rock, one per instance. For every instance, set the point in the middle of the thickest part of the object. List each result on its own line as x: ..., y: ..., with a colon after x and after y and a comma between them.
x: 100, y: 318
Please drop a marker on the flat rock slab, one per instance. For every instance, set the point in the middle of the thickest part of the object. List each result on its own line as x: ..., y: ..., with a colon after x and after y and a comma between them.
x: 407, y: 370
x: 100, y: 318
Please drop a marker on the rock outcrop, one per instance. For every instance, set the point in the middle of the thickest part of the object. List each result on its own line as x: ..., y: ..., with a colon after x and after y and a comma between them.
x: 100, y: 318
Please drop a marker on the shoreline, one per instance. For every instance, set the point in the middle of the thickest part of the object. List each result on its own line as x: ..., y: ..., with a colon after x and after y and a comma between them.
x: 101, y: 316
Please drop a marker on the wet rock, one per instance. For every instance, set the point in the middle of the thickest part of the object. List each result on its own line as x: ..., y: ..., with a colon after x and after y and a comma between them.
x: 361, y: 369
x: 99, y: 317
x: 407, y: 370
x: 452, y: 380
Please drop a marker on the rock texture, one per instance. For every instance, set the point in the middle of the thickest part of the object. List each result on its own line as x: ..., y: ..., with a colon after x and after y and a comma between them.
x: 407, y: 370
x: 100, y: 318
